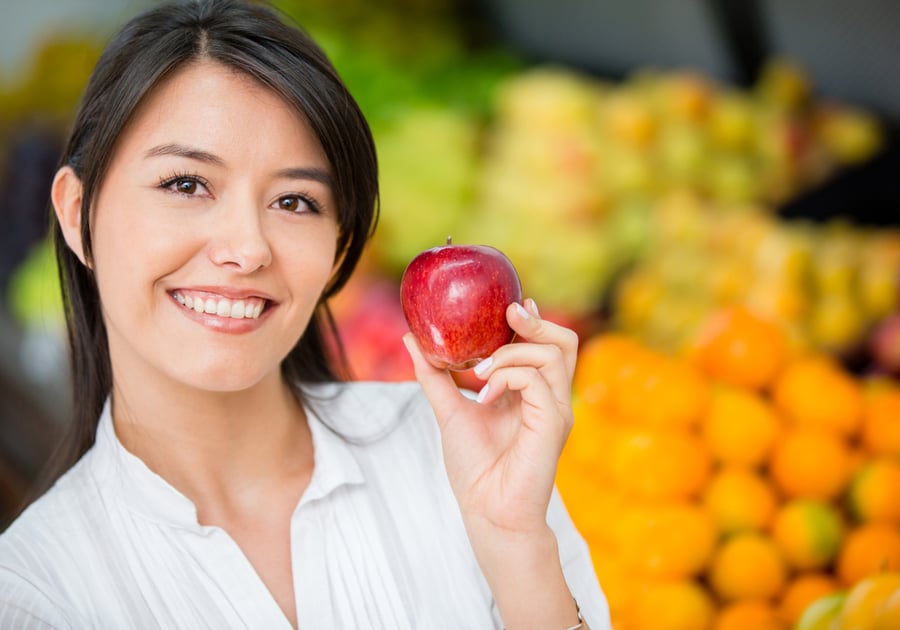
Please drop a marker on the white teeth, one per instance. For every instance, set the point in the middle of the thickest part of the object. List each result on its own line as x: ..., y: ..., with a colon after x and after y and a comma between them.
x: 223, y: 307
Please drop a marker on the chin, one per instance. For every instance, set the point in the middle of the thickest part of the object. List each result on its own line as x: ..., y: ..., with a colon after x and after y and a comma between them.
x: 226, y: 379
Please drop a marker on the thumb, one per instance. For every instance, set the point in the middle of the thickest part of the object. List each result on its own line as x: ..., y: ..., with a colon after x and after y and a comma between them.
x: 438, y: 385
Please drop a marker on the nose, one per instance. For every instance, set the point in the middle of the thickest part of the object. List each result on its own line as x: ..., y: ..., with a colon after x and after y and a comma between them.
x: 240, y: 239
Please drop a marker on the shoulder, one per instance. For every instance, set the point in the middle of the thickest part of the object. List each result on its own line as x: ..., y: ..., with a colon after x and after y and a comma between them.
x: 369, y: 411
x: 43, y: 547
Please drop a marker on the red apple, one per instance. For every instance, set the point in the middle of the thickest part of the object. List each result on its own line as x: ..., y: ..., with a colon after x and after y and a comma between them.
x: 884, y: 345
x: 454, y: 298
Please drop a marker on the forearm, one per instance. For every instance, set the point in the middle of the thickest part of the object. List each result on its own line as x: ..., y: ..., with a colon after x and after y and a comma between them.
x: 526, y: 579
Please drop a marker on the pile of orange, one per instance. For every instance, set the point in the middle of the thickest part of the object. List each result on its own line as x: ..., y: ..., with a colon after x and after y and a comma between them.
x: 731, y: 486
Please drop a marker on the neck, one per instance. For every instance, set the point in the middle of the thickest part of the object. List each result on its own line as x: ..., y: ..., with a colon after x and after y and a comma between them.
x: 215, y: 446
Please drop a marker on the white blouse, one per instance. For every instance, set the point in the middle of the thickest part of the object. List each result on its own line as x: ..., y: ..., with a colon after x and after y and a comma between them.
x: 377, y: 540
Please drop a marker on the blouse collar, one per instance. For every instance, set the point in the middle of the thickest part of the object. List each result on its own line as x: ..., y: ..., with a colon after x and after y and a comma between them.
x: 145, y: 492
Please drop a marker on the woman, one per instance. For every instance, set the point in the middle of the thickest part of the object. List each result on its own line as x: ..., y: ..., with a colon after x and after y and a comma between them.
x: 217, y: 189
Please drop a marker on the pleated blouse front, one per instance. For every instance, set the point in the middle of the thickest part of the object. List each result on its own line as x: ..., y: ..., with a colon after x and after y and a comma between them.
x: 377, y: 540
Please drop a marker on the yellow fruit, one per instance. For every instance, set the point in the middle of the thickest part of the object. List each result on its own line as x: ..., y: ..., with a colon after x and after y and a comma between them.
x: 865, y: 600
x: 679, y: 605
x: 666, y: 541
x: 740, y: 426
x: 808, y: 533
x: 750, y: 614
x: 659, y: 465
x: 814, y: 391
x: 802, y: 591
x: 809, y: 463
x: 874, y: 492
x: 888, y: 617
x: 869, y: 549
x: 746, y: 566
x: 740, y: 499
x: 736, y: 346
x: 822, y: 613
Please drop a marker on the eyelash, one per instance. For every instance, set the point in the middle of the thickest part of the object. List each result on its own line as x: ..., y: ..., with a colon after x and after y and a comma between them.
x: 166, y: 183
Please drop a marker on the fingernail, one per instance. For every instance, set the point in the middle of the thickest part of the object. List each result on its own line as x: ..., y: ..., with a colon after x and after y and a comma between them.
x: 483, y: 393
x: 534, y: 308
x: 483, y: 366
x: 522, y: 312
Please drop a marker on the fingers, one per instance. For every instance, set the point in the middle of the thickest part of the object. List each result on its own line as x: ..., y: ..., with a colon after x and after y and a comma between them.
x: 538, y: 401
x: 438, y: 385
x: 547, y: 359
x: 528, y: 325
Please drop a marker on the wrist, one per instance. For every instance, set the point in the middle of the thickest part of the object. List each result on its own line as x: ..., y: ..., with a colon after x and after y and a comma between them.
x: 525, y: 576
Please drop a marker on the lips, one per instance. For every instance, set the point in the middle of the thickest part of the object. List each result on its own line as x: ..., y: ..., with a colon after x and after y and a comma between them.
x: 245, y: 307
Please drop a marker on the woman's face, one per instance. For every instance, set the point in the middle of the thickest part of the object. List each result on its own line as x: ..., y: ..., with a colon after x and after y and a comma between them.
x: 213, y: 233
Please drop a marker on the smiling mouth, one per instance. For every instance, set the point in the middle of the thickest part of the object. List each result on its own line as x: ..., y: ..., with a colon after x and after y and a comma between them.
x: 246, y: 308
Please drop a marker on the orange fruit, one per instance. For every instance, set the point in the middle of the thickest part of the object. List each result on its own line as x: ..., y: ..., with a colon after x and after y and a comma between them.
x: 738, y: 347
x: 868, y: 549
x: 589, y: 441
x: 809, y: 463
x: 874, y: 492
x: 589, y: 501
x: 746, y: 566
x: 599, y: 362
x: 865, y: 600
x: 881, y: 420
x: 666, y: 541
x: 678, y: 605
x: 815, y: 391
x: 672, y: 394
x: 619, y: 587
x: 808, y: 533
x: 740, y: 427
x: 749, y: 614
x: 802, y: 591
x: 740, y: 499
x: 659, y: 464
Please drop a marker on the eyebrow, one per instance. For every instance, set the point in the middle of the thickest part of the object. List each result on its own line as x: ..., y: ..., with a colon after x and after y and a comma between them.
x: 181, y: 150
x: 312, y: 173
x: 309, y: 173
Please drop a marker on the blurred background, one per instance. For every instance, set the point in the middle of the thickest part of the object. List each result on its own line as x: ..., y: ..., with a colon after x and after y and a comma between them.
x: 707, y: 191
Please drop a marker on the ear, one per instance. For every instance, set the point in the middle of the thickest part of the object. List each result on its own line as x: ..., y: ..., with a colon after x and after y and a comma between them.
x: 66, y: 197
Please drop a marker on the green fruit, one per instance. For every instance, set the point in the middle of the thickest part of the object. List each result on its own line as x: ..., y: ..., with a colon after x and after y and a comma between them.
x: 822, y: 614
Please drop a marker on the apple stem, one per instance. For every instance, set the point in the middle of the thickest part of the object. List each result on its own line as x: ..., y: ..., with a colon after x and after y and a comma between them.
x: 449, y: 240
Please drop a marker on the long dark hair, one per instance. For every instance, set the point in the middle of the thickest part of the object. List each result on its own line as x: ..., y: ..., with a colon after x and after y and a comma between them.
x: 149, y: 48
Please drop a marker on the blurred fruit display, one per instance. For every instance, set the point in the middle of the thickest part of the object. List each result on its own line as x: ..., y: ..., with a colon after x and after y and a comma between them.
x: 742, y: 479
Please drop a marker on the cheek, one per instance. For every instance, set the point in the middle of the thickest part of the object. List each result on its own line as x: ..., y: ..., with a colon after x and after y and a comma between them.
x: 139, y: 241
x: 311, y: 257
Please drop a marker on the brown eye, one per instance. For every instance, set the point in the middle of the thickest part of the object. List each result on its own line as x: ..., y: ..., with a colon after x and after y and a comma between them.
x: 297, y: 204
x: 186, y: 186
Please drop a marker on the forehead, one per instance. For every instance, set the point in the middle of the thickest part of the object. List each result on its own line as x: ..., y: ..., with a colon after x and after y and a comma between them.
x: 214, y: 106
